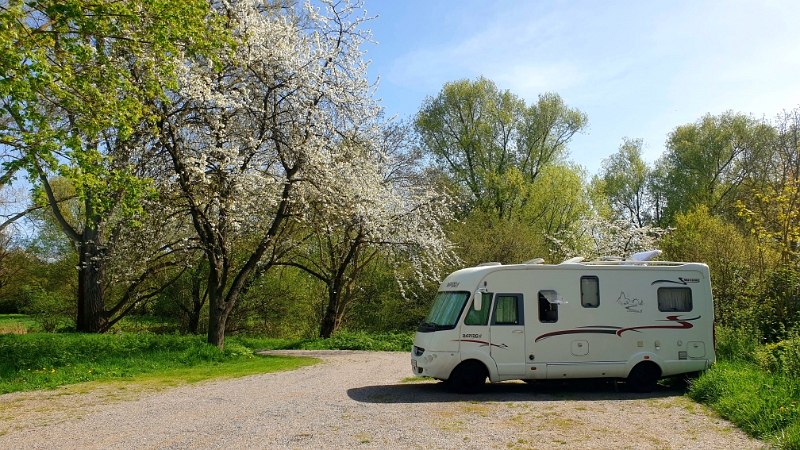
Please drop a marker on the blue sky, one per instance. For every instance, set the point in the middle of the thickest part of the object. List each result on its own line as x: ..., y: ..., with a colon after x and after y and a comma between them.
x: 637, y: 68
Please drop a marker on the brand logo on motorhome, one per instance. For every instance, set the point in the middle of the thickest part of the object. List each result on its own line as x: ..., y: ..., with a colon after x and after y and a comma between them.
x: 453, y: 284
x: 630, y: 304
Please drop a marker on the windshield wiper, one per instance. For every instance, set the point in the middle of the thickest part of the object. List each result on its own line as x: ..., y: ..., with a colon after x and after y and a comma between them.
x: 425, y: 326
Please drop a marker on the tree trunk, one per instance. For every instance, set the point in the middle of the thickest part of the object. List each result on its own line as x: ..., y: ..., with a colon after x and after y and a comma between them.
x: 330, y: 321
x: 91, y: 289
x: 217, y: 318
x: 194, y: 321
x: 198, y: 300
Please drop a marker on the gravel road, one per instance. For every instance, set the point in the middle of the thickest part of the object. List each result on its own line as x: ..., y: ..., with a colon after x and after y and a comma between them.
x: 357, y: 400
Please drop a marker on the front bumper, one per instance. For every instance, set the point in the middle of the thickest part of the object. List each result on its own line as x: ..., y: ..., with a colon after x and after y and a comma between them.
x: 434, y: 364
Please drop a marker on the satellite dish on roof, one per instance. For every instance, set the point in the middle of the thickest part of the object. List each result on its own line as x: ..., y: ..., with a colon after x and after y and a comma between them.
x: 645, y: 256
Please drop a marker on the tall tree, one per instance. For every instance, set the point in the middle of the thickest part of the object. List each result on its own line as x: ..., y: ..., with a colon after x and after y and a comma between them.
x: 77, y: 76
x: 625, y: 181
x: 252, y: 139
x: 707, y: 162
x: 489, y: 141
x: 400, y: 220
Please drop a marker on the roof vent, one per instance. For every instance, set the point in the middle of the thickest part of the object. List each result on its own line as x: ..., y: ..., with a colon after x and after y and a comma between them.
x: 490, y: 264
x: 645, y: 256
x: 534, y: 261
x: 576, y: 259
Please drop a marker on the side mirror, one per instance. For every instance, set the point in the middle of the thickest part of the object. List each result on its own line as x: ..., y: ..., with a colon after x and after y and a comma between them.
x: 477, y: 302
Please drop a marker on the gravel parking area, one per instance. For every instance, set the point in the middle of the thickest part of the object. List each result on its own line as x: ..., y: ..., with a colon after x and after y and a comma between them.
x: 357, y: 400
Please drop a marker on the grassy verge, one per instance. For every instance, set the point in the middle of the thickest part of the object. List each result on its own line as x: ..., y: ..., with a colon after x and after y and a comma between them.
x: 764, y: 405
x: 386, y: 342
x: 16, y: 324
x: 45, y: 361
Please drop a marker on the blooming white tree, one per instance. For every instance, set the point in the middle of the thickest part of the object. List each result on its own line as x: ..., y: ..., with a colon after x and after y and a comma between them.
x: 385, y: 208
x: 282, y: 123
x: 598, y: 237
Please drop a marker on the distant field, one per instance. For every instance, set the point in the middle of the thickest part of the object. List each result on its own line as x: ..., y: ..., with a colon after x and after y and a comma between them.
x: 16, y: 324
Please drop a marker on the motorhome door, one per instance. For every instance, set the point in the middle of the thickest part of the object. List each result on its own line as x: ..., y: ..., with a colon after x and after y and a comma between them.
x: 508, y: 334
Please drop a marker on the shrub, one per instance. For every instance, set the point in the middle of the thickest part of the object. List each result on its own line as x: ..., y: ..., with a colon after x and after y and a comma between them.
x: 737, y: 344
x: 50, y: 310
x: 781, y: 357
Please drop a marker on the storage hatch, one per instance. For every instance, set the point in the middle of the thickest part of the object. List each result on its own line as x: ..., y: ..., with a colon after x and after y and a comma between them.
x: 697, y: 349
x: 580, y: 348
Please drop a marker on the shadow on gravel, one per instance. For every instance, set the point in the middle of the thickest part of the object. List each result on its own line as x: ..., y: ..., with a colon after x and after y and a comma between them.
x: 508, y: 392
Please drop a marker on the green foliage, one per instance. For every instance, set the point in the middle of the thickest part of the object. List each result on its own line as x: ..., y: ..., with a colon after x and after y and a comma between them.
x: 707, y: 162
x: 625, y: 180
x: 18, y: 270
x: 343, y: 340
x: 45, y: 361
x: 555, y: 204
x: 508, y: 242
x: 737, y: 264
x: 50, y: 310
x: 778, y: 307
x: 491, y: 143
x: 389, y: 342
x: 737, y: 344
x: 379, y: 305
x: 137, y: 323
x: 284, y: 302
x: 782, y: 356
x: 762, y: 404
x: 80, y: 83
x: 775, y: 218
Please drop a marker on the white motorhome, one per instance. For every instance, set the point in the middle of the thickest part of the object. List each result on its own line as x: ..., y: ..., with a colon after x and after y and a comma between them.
x: 637, y: 320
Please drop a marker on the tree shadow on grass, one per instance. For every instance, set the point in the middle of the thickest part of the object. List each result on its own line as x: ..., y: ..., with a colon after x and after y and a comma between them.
x: 573, y: 390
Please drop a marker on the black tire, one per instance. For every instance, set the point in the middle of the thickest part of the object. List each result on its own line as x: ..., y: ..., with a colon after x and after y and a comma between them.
x: 643, y: 377
x: 468, y: 377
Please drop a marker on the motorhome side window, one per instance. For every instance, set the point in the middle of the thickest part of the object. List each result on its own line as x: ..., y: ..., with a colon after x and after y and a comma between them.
x: 507, y: 310
x: 674, y: 299
x: 590, y: 292
x: 548, y: 306
x: 480, y: 317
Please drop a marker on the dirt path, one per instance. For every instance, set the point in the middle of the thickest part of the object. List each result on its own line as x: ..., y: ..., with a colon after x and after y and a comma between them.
x: 357, y: 400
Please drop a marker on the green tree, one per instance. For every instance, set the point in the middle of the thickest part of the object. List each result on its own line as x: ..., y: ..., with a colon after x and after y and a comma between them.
x: 76, y: 78
x: 737, y: 264
x: 491, y: 143
x: 625, y: 182
x: 708, y: 162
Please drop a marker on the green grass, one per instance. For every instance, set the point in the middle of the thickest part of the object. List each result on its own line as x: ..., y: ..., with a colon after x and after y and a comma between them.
x: 765, y: 405
x: 46, y: 361
x: 415, y: 379
x: 387, y: 342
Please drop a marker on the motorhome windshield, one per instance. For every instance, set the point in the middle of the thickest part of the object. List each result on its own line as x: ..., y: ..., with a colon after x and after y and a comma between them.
x: 446, y: 309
